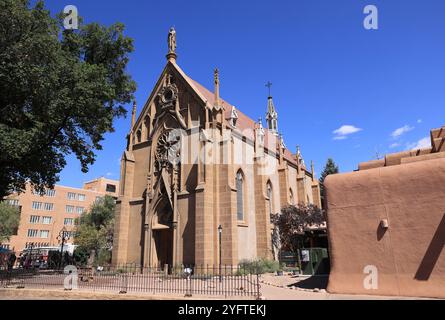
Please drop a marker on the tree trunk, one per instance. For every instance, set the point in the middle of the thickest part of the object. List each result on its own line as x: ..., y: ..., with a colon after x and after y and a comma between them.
x: 297, y: 251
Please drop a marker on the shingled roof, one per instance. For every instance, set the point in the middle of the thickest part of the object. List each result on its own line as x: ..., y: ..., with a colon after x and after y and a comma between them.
x: 244, y: 124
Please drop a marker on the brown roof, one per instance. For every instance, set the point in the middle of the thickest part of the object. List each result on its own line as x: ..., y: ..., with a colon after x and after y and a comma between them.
x: 244, y: 124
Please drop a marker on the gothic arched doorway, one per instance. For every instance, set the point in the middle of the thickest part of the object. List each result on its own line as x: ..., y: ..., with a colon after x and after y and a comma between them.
x: 162, y: 233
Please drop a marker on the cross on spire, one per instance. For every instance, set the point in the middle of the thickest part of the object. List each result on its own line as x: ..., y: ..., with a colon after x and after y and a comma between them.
x: 271, y: 115
x: 269, y: 86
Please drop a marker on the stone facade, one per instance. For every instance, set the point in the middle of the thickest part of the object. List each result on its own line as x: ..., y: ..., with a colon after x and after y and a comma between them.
x: 193, y: 163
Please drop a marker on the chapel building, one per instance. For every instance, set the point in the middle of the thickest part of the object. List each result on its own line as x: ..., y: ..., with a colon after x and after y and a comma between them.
x: 197, y: 171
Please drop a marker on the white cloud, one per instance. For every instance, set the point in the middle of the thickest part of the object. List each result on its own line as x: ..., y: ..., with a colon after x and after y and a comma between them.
x: 343, y: 132
x: 394, y: 145
x: 419, y: 120
x: 109, y: 174
x: 400, y: 131
x: 421, y: 144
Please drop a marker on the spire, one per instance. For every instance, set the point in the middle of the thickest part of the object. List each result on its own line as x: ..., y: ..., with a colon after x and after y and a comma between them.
x: 133, y: 116
x: 282, y: 144
x: 171, y: 40
x: 312, y: 170
x: 271, y: 115
x: 130, y: 136
x: 299, y: 157
x: 260, y: 124
x: 216, y: 78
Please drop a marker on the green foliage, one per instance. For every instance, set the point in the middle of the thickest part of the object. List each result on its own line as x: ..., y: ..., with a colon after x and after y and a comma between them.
x: 259, y: 266
x: 101, y: 213
x: 330, y: 168
x: 104, y: 257
x: 60, y: 92
x: 94, y: 231
x: 9, y: 220
x: 80, y: 256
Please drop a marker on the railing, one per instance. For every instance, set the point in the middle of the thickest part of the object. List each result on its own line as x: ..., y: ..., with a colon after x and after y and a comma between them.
x: 226, y: 281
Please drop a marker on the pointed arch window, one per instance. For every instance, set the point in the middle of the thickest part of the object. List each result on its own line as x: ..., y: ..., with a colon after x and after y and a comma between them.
x: 139, y: 136
x: 147, y: 127
x: 291, y: 197
x: 240, y: 196
x: 270, y: 196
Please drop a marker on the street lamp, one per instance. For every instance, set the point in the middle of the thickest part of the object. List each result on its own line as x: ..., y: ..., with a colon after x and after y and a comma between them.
x: 62, y: 237
x: 29, y: 257
x: 220, y: 252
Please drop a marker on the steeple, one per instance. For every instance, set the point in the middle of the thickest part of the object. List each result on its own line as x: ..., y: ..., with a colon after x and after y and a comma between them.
x: 271, y: 115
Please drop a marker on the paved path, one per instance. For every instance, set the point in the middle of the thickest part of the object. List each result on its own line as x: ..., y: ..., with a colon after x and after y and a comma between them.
x: 289, y: 287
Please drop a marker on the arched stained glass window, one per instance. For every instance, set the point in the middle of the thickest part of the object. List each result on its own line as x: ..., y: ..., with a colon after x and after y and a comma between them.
x: 270, y: 196
x: 239, y: 196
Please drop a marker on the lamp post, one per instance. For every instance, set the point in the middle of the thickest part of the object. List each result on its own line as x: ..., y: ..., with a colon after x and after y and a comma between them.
x: 29, y: 257
x: 220, y: 252
x: 62, y: 237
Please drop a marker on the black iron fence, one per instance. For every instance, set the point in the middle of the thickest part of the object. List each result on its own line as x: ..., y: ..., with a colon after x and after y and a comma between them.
x: 226, y: 281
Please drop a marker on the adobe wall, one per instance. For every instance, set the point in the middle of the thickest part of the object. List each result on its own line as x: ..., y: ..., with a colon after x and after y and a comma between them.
x: 409, y: 256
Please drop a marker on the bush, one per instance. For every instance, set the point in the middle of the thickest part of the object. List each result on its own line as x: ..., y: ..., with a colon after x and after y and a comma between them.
x: 259, y: 266
x: 103, y: 258
x: 80, y: 256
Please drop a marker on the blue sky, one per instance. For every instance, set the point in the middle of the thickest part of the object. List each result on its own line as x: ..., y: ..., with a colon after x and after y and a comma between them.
x: 328, y: 72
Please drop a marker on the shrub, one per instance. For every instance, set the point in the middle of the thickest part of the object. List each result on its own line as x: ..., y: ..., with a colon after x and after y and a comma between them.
x: 80, y: 256
x: 103, y: 258
x: 259, y: 266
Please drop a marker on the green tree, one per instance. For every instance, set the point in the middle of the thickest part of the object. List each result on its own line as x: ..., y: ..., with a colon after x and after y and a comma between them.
x: 94, y: 231
x: 329, y: 168
x: 60, y: 92
x: 292, y: 223
x: 9, y: 221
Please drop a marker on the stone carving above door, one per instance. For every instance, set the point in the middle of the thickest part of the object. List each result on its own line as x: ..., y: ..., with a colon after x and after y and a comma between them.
x: 168, y: 102
x: 168, y: 96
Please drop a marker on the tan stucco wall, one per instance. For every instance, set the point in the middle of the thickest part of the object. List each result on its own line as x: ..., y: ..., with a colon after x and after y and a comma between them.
x: 409, y: 256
